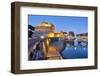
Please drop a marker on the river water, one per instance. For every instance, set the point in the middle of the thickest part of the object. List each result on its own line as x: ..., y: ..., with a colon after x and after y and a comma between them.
x: 75, y: 52
x: 72, y: 51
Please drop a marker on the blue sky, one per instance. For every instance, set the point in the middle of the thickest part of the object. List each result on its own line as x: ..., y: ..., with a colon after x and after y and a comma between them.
x: 62, y: 23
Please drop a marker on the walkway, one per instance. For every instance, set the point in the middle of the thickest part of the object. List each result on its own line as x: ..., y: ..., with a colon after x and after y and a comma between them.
x: 53, y: 53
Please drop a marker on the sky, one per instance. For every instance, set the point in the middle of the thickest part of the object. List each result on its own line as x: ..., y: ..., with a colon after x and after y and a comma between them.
x: 62, y: 23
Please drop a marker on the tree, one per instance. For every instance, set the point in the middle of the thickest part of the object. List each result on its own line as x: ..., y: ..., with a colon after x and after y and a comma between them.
x: 30, y: 30
x: 31, y: 27
x: 71, y: 33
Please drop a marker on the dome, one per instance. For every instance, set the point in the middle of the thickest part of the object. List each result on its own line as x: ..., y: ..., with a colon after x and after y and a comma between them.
x: 46, y: 24
x: 45, y: 27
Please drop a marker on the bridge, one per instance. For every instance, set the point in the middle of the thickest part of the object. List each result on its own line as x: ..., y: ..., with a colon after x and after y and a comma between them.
x: 41, y: 47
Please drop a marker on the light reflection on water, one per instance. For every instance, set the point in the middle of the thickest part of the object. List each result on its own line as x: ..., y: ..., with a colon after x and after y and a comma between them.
x: 75, y: 52
x: 72, y: 50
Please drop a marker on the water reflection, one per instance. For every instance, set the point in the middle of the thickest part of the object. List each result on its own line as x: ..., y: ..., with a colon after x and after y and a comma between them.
x: 75, y: 50
x: 71, y: 49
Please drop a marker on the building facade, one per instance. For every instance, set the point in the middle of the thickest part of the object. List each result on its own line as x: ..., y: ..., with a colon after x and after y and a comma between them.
x: 45, y: 27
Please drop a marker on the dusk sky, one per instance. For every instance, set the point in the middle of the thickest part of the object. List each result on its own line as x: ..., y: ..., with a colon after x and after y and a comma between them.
x: 62, y: 23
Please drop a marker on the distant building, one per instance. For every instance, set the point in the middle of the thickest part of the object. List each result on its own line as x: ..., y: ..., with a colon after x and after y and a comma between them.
x: 65, y: 34
x: 83, y: 36
x: 69, y: 35
x: 48, y: 29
